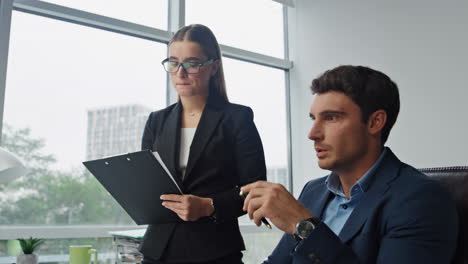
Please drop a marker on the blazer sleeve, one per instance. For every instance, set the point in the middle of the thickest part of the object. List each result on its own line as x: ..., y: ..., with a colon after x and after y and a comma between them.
x: 249, y: 161
x: 423, y: 229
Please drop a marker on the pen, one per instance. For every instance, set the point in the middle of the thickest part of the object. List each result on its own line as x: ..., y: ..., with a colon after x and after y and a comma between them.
x: 264, y: 221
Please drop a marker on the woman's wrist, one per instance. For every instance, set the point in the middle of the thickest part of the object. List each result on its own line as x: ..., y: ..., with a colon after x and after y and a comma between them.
x: 209, y: 206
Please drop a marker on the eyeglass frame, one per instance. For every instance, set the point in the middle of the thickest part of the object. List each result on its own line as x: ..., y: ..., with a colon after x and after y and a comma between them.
x: 199, y: 64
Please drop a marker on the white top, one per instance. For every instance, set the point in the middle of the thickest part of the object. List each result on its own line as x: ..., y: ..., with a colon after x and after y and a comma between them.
x: 186, y: 138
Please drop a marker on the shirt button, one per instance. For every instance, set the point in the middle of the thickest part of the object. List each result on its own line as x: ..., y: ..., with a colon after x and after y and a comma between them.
x: 344, y: 206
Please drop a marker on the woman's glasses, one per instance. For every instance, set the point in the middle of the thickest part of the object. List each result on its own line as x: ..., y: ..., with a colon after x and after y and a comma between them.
x: 189, y: 67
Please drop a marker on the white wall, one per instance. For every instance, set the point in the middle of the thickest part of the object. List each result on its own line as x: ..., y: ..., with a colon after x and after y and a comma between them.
x: 421, y: 44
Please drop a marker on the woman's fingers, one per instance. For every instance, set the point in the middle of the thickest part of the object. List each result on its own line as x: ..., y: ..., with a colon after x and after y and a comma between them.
x: 172, y: 197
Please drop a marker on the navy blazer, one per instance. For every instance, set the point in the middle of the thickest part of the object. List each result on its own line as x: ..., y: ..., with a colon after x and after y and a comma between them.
x: 226, y: 152
x: 403, y: 218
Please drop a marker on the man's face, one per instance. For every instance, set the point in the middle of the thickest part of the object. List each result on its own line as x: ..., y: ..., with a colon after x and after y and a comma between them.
x: 340, y: 137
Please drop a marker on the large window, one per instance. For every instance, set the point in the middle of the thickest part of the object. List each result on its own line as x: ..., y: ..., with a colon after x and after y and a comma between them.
x: 73, y: 93
x: 78, y: 91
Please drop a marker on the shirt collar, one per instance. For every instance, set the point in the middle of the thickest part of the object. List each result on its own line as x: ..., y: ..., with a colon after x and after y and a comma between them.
x: 334, y: 185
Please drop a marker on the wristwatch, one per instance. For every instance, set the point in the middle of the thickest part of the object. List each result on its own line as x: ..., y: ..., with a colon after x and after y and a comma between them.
x: 305, y: 227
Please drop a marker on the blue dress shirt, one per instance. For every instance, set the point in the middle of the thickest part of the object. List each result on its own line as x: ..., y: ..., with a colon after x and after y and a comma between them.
x: 340, y: 208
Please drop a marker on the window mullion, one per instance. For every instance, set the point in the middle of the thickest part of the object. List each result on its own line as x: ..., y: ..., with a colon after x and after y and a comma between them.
x: 176, y: 20
x: 6, y: 7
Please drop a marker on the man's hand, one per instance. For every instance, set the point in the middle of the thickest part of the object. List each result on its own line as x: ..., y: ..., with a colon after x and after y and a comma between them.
x: 188, y: 207
x: 273, y: 201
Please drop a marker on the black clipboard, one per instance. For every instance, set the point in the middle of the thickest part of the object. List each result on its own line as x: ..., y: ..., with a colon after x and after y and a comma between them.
x: 136, y: 180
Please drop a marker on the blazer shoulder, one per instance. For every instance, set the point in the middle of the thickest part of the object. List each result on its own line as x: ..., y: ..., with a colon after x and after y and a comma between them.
x: 234, y: 108
x: 238, y: 111
x: 417, y: 198
x: 153, y: 125
x: 160, y: 114
x: 414, y: 187
x: 410, y: 176
x: 316, y: 182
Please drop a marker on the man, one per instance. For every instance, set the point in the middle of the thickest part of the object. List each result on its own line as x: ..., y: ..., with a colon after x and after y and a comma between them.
x: 372, y: 208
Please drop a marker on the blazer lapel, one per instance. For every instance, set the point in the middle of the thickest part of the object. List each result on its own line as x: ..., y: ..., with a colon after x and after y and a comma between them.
x: 208, y: 122
x: 321, y: 196
x: 373, y: 197
x: 360, y: 214
x: 168, y: 142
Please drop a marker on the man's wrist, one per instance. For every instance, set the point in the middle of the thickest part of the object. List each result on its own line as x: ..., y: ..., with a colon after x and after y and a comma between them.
x: 305, y: 227
x: 303, y: 216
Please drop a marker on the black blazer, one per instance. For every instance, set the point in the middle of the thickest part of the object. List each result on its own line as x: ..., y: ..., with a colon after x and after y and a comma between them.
x: 226, y: 153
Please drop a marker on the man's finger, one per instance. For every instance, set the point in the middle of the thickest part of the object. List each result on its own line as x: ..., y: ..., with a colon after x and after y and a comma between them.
x: 254, y: 193
x: 247, y: 188
x: 257, y: 216
x: 254, y: 205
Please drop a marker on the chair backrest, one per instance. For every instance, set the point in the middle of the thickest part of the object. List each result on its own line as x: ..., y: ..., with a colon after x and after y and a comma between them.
x: 456, y: 181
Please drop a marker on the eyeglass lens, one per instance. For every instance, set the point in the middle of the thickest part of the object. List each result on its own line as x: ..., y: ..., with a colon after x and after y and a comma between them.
x: 189, y: 67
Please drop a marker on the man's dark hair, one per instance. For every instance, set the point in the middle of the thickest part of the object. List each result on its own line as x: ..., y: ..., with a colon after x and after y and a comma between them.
x: 371, y: 90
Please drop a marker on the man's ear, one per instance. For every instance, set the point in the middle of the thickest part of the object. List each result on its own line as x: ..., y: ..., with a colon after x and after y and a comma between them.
x: 376, y: 121
x: 216, y: 64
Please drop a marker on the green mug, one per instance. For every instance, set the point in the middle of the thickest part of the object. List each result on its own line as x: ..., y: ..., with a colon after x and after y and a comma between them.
x: 81, y: 254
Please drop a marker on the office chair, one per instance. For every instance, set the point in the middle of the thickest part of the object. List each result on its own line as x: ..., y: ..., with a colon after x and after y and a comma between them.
x: 456, y: 181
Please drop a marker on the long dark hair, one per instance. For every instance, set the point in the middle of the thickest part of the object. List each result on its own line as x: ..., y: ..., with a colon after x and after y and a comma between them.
x: 206, y: 39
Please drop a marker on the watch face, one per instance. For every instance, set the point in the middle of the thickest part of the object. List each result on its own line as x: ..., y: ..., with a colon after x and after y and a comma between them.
x: 304, y: 228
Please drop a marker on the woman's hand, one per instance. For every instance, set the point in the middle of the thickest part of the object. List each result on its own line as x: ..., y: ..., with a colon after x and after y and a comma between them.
x: 188, y: 207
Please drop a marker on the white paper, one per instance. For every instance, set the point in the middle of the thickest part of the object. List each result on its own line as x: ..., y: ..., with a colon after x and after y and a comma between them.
x: 158, y: 158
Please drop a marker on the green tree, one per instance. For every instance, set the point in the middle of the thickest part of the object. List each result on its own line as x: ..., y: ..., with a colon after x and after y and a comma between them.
x: 50, y: 196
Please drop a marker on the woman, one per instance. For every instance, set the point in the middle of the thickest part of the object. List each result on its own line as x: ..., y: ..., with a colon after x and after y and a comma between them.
x: 212, y: 146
